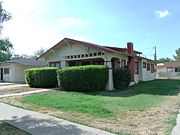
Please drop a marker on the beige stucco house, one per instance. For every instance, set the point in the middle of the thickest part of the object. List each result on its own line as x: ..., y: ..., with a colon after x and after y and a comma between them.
x: 168, y: 69
x: 70, y: 52
x: 13, y: 70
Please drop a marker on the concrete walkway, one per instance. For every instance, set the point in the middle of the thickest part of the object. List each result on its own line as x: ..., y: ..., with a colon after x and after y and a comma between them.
x: 10, y: 85
x: 24, y: 93
x: 42, y: 124
x: 176, y: 129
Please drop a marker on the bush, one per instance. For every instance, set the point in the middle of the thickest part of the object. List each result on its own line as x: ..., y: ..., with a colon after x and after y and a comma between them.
x: 41, y: 77
x: 83, y: 78
x: 121, y: 78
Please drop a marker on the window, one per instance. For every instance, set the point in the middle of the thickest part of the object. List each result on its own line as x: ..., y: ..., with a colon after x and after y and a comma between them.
x: 6, y: 71
x: 136, y: 68
x: 99, y: 53
x: 90, y: 54
x: 72, y: 63
x: 144, y: 64
x: 123, y: 63
x: 177, y: 69
x: 95, y: 54
x: 55, y: 64
x: 152, y: 68
x: 148, y: 67
x: 169, y: 69
x: 86, y: 63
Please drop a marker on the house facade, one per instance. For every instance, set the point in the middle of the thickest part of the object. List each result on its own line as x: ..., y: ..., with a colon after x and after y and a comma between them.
x: 168, y: 69
x: 70, y: 52
x: 13, y: 70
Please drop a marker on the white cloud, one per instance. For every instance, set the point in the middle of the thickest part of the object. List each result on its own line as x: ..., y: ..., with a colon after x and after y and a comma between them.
x: 162, y: 13
x: 66, y: 22
x: 28, y: 34
x: 25, y: 34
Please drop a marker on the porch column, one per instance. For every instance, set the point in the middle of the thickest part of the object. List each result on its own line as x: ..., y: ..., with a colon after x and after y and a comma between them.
x: 110, y: 84
x: 63, y: 64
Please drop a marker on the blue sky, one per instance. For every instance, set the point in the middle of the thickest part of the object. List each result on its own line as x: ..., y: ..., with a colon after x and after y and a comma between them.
x: 42, y: 23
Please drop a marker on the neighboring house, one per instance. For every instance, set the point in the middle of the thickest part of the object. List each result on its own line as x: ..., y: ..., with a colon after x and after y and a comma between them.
x: 171, y: 68
x: 70, y: 52
x: 13, y: 70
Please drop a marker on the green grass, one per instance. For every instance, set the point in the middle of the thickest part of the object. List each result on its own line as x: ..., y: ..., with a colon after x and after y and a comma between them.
x: 171, y: 121
x: 6, y: 129
x: 74, y: 102
x: 107, y: 104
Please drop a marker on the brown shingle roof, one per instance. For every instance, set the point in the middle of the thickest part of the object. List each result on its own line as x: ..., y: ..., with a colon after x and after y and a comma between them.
x: 92, y: 45
x: 26, y: 62
x: 172, y: 64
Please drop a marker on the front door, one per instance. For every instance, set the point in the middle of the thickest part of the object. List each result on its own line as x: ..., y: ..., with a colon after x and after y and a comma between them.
x: 1, y: 71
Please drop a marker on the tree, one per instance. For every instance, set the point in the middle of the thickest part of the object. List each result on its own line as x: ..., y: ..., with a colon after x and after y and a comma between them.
x: 5, y: 49
x: 162, y: 60
x: 18, y: 56
x: 177, y: 56
x: 35, y: 55
x: 4, y: 16
x: 38, y: 52
x: 5, y: 45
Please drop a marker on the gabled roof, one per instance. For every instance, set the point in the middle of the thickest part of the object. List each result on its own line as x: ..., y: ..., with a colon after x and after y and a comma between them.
x: 25, y: 62
x: 120, y: 49
x: 170, y: 64
x: 90, y: 45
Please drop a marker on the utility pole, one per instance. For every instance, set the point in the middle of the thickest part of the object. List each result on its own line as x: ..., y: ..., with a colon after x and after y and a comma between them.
x: 155, y: 54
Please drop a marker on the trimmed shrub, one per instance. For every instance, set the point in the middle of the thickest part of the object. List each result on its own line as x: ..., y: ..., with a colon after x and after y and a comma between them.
x: 83, y: 78
x: 121, y: 78
x: 41, y: 77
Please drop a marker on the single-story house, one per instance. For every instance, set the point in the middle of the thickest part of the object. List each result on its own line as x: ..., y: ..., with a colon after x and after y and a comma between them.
x: 70, y: 52
x: 13, y: 70
x: 171, y: 68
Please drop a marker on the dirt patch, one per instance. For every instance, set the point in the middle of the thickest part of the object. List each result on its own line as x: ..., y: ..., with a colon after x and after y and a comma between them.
x: 16, y: 89
x: 151, y: 121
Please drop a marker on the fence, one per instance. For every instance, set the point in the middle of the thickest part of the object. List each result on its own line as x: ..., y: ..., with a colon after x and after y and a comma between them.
x: 168, y: 75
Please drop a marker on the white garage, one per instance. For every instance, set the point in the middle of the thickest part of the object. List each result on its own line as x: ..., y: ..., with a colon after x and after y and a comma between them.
x: 13, y: 70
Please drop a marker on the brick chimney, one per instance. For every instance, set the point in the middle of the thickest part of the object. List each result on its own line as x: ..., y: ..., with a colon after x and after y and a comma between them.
x: 131, y: 64
x: 130, y: 48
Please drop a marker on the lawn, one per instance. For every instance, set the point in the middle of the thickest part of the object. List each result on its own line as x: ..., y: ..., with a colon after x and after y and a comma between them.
x: 145, y: 108
x: 6, y: 129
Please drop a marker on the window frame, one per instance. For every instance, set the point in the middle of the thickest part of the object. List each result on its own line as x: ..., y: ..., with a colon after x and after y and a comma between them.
x: 144, y: 64
x: 6, y: 71
x: 152, y: 68
x: 148, y: 66
x: 55, y: 64
x: 136, y: 67
x: 123, y: 63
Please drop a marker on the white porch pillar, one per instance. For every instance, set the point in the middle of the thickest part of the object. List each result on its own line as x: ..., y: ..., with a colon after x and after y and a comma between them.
x: 63, y: 64
x: 110, y: 84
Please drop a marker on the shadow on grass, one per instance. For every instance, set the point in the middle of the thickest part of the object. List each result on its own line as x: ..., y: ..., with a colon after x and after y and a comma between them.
x: 6, y: 129
x: 155, y: 87
x: 45, y: 127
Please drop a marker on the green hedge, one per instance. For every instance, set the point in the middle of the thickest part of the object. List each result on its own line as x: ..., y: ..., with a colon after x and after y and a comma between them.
x: 83, y: 78
x: 41, y: 77
x: 121, y: 78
